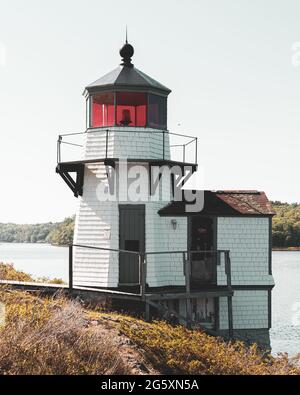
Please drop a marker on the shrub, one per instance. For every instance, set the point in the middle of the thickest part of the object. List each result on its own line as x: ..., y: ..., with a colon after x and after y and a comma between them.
x: 177, y: 350
x: 8, y: 272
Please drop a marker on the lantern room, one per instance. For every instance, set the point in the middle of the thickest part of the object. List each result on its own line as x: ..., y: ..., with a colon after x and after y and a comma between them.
x: 126, y: 97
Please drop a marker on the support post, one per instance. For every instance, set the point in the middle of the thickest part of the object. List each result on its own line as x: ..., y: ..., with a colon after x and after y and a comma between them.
x: 143, y: 274
x: 187, y: 263
x: 163, y: 144
x: 229, y: 298
x: 230, y: 317
x: 70, y: 267
x: 59, y: 149
x: 106, y: 144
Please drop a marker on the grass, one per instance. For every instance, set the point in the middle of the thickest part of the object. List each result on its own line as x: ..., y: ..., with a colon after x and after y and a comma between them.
x: 55, y: 335
x: 176, y: 350
x: 51, y: 336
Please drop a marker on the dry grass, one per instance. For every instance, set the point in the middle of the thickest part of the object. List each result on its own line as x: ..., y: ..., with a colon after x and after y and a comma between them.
x: 8, y: 272
x: 57, y: 336
x: 176, y: 350
x: 52, y: 336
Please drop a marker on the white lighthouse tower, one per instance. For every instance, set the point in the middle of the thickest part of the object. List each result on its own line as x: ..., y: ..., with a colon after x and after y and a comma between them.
x: 134, y: 238
x: 127, y: 121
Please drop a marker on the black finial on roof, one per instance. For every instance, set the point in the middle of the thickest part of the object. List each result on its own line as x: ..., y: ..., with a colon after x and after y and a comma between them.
x: 126, y: 53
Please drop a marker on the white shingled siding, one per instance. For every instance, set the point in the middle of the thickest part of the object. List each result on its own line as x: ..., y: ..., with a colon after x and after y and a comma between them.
x: 250, y: 310
x: 134, y: 143
x: 97, y: 224
x: 164, y: 269
x: 248, y: 241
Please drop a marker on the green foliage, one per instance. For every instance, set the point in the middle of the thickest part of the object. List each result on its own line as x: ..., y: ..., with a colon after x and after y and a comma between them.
x: 13, y: 233
x: 286, y: 225
x: 60, y: 233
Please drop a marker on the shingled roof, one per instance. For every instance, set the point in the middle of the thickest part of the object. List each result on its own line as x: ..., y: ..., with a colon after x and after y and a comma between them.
x: 218, y: 203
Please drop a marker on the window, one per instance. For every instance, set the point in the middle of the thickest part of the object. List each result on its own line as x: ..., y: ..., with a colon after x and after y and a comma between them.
x: 157, y: 113
x: 103, y: 110
x: 127, y: 109
x: 131, y: 109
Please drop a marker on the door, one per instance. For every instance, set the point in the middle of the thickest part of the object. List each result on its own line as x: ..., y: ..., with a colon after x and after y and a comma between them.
x: 132, y: 238
x: 203, y: 256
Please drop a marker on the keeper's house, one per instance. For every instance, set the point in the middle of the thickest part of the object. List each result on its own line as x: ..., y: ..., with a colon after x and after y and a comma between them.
x: 209, y: 268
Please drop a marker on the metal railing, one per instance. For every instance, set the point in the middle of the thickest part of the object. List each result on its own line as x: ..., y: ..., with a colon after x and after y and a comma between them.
x: 176, y: 258
x: 183, y: 147
x: 142, y: 260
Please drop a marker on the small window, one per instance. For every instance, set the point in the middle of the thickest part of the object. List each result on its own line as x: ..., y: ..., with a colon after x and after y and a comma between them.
x: 157, y: 112
x: 132, y: 245
x: 131, y: 109
x: 103, y: 110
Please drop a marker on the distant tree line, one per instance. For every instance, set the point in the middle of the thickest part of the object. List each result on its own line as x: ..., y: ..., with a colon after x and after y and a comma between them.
x: 286, y: 225
x: 286, y: 229
x: 60, y: 233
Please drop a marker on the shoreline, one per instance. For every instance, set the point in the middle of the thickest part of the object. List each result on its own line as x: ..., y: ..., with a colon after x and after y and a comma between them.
x: 65, y: 246
x: 286, y: 249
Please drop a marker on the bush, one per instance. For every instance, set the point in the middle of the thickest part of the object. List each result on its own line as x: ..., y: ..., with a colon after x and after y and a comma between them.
x: 8, y: 272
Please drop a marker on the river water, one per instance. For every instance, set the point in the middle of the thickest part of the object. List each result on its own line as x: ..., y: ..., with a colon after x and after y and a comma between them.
x: 42, y: 260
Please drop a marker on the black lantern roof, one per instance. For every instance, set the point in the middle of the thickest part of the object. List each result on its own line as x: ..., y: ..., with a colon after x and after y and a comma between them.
x: 127, y: 77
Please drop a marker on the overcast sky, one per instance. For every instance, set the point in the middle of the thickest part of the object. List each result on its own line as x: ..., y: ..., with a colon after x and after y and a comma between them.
x: 228, y: 63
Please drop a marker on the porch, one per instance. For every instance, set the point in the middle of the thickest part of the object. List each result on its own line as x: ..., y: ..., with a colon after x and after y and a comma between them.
x: 198, y: 284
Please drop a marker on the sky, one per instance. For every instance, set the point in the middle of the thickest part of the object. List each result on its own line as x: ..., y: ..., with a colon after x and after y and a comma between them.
x: 233, y: 68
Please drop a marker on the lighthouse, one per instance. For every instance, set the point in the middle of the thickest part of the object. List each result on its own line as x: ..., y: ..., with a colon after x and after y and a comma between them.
x: 203, y: 257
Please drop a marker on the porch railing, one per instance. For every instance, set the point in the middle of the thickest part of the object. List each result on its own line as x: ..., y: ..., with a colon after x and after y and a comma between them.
x: 142, y: 260
x: 169, y: 258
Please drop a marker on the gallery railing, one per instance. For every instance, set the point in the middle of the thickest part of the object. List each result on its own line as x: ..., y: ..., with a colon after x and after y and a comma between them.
x: 183, y: 147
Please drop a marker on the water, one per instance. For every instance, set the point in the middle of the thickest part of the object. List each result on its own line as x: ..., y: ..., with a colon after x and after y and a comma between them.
x: 285, y: 332
x: 38, y: 260
x: 42, y: 260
